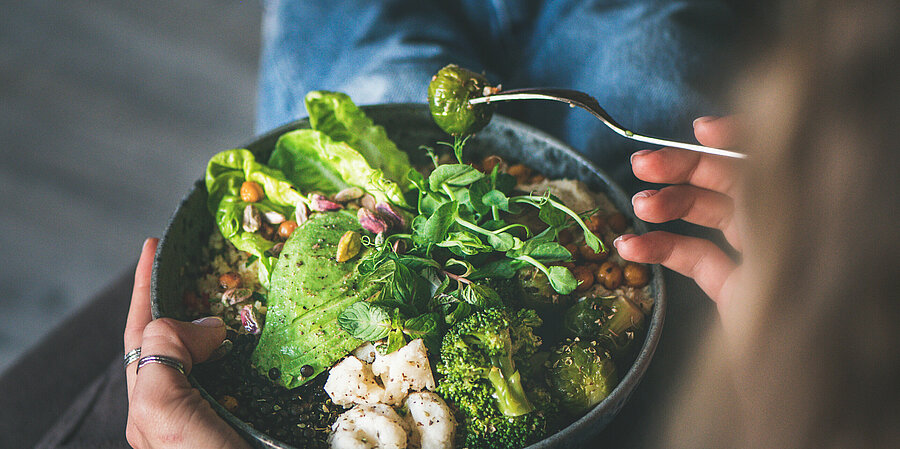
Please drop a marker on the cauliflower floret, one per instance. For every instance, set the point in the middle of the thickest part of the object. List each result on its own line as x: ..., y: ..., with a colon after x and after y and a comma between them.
x: 352, y: 382
x: 433, y: 424
x: 368, y: 427
x: 404, y: 370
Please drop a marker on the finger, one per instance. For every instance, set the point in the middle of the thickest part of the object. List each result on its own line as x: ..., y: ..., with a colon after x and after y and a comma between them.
x: 693, y: 257
x: 188, y: 343
x: 139, y: 310
x: 695, y: 205
x: 719, y: 132
x: 677, y: 166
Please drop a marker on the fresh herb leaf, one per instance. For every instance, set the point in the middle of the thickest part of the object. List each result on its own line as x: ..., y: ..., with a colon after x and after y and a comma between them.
x: 453, y: 175
x: 435, y: 228
x: 365, y: 321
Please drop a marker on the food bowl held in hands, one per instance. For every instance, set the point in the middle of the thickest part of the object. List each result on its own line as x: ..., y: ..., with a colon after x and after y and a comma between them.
x: 409, y: 126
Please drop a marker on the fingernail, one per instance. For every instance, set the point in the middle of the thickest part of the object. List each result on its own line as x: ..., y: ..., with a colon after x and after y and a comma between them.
x: 643, y: 194
x: 621, y: 239
x: 704, y: 119
x: 146, y: 242
x: 210, y: 321
x: 220, y: 352
x: 640, y: 153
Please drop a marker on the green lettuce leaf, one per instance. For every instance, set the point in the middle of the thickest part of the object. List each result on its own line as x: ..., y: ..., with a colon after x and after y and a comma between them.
x: 314, y: 161
x: 335, y: 114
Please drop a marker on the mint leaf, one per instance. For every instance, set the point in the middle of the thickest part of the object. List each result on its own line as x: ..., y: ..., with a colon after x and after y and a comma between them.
x: 365, y: 321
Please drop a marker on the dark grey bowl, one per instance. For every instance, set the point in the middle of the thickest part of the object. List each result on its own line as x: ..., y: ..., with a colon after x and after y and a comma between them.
x: 410, y: 125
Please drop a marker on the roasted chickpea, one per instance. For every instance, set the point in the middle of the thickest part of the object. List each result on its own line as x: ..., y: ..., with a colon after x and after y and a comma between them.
x: 610, y: 275
x: 520, y: 172
x: 584, y: 277
x: 617, y: 222
x: 593, y: 256
x: 229, y: 403
x: 286, y: 228
x: 595, y: 222
x: 230, y: 280
x: 251, y: 192
x: 536, y: 179
x: 636, y: 275
x: 565, y: 237
x: 573, y: 249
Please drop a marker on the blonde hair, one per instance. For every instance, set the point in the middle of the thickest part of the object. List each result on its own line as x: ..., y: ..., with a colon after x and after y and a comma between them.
x: 817, y: 363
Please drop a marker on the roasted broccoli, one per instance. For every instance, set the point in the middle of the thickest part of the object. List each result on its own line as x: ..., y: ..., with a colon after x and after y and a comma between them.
x: 480, y: 349
x: 615, y: 322
x: 486, y: 427
x: 580, y: 374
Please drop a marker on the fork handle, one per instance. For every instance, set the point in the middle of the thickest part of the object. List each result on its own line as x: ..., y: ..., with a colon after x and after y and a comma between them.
x: 590, y: 104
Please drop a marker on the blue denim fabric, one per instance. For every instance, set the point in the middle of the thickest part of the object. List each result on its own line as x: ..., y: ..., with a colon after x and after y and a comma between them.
x: 649, y: 63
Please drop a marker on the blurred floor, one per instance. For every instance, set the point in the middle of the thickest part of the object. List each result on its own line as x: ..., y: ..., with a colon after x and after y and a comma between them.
x: 109, y: 111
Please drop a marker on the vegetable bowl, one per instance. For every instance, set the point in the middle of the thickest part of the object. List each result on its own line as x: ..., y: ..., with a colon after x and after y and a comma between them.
x: 184, y: 247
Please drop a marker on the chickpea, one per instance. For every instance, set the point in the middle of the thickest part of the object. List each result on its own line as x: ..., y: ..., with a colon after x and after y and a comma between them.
x: 636, y: 275
x: 610, y: 275
x: 230, y: 280
x: 520, y: 172
x: 536, y: 179
x: 565, y: 237
x: 617, y: 223
x: 286, y: 228
x: 585, y: 278
x: 595, y: 222
x: 488, y: 163
x: 251, y: 192
x: 590, y: 255
x: 229, y: 403
x: 573, y: 249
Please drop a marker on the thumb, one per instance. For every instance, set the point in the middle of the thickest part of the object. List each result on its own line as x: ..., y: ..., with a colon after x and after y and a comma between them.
x: 189, y: 343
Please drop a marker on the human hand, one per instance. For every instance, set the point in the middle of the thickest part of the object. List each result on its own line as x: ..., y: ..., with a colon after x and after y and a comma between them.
x: 163, y: 409
x: 702, y: 192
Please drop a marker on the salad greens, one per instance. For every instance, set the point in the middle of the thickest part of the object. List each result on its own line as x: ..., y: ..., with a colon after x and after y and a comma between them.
x: 336, y: 115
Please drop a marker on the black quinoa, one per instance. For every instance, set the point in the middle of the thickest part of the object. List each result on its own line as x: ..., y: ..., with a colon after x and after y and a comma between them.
x: 301, y: 417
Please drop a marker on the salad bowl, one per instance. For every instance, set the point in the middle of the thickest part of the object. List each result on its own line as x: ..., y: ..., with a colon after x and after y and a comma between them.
x: 410, y: 126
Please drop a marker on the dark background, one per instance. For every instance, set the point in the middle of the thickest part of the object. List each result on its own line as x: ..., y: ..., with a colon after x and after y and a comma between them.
x: 109, y: 111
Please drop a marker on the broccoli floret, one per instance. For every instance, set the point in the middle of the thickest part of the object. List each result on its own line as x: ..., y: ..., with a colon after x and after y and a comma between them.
x: 615, y: 322
x: 478, y: 364
x: 484, y: 426
x: 479, y: 349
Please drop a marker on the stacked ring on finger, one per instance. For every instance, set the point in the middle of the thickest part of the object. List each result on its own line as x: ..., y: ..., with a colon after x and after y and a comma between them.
x: 132, y: 356
x: 162, y: 360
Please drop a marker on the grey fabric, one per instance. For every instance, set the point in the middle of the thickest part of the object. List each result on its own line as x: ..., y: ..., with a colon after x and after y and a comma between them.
x: 51, y: 379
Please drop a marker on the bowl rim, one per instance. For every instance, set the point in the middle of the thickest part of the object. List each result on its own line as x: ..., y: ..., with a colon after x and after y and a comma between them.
x: 574, y: 432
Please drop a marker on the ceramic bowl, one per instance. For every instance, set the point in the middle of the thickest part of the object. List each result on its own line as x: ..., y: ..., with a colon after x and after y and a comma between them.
x: 410, y: 125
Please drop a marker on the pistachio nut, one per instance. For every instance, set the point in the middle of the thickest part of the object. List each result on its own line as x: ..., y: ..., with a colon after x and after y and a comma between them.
x: 394, y: 216
x: 319, y: 203
x: 367, y: 201
x: 250, y: 319
x: 252, y: 219
x: 235, y: 295
x: 348, y: 246
x: 372, y: 222
x: 301, y: 213
x: 273, y: 217
x: 348, y: 194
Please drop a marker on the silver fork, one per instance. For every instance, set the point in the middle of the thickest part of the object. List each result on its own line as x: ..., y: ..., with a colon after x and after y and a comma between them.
x: 589, y: 103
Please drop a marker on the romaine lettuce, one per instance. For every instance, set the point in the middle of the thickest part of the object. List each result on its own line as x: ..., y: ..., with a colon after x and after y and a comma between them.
x: 336, y: 115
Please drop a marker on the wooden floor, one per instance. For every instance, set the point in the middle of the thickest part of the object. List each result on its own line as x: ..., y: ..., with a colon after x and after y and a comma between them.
x: 109, y: 110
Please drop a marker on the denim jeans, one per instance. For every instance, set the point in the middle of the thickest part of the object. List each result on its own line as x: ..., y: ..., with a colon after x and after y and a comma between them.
x: 649, y: 63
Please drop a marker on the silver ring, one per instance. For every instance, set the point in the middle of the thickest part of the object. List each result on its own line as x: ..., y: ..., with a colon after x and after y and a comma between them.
x: 132, y: 356
x: 161, y: 359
